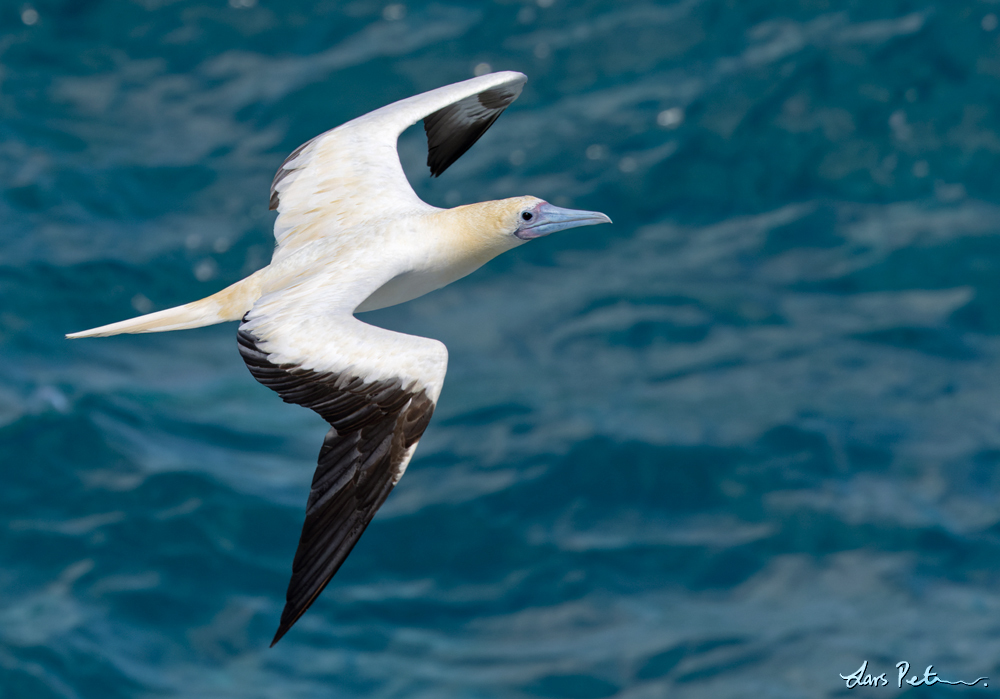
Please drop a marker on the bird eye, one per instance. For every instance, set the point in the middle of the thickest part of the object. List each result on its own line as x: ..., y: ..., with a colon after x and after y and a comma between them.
x: 527, y: 215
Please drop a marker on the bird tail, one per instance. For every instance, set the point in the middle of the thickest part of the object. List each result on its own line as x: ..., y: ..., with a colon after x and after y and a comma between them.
x: 229, y: 304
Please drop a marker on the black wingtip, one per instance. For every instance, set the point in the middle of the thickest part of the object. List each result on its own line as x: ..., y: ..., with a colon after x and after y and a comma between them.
x: 286, y: 623
x: 452, y: 130
x: 282, y: 630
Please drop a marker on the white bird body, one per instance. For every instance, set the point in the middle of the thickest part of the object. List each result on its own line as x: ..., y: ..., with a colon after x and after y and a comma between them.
x: 351, y: 235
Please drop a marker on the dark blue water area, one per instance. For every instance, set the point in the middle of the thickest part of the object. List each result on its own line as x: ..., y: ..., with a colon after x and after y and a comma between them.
x: 734, y: 445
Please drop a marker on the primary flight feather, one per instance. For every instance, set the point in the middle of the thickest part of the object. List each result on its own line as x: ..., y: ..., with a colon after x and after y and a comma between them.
x: 352, y: 235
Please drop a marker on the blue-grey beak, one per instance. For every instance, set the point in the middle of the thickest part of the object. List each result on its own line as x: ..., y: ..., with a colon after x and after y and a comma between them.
x: 549, y: 219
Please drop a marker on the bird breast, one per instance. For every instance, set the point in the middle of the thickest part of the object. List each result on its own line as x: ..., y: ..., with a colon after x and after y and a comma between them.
x: 431, y: 253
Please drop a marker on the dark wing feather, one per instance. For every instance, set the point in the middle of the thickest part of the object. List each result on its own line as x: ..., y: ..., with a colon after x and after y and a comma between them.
x: 453, y: 130
x: 284, y: 171
x: 372, y: 425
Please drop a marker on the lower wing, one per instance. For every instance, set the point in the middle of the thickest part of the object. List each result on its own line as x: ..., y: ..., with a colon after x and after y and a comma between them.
x: 377, y: 389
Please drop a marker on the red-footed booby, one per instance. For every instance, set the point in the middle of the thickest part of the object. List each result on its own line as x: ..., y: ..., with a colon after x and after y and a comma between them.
x: 352, y: 236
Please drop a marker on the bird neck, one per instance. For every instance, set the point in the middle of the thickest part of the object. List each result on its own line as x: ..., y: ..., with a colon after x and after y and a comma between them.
x: 475, y: 233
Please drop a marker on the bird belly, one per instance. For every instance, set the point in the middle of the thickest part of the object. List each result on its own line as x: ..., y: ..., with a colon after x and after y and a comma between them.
x: 400, y: 289
x: 411, y: 285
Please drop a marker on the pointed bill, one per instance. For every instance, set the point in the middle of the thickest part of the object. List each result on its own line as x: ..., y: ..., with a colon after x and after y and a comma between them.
x: 549, y: 219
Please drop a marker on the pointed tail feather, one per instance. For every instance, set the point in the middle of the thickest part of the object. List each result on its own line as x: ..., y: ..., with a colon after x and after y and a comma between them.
x: 229, y: 304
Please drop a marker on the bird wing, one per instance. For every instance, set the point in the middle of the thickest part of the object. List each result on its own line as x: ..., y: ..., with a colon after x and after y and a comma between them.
x: 350, y: 176
x: 376, y: 388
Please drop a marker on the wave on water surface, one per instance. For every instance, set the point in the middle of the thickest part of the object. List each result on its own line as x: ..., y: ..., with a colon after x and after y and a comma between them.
x: 742, y: 440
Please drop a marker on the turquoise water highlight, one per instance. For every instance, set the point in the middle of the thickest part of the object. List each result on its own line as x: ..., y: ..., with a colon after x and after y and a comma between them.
x: 735, y: 444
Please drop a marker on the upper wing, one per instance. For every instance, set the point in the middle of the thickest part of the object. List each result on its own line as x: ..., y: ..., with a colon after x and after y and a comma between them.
x: 351, y: 176
x: 377, y: 389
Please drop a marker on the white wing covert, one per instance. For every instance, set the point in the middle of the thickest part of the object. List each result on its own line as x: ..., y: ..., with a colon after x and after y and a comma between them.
x: 351, y: 176
x: 376, y: 388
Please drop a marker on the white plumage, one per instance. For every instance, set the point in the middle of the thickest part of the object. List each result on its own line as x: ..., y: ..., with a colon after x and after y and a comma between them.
x: 351, y: 236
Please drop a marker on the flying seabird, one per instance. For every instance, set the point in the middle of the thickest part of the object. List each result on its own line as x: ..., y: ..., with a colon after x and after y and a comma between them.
x: 352, y: 235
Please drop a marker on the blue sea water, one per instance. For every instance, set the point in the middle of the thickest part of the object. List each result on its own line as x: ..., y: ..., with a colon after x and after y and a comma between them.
x: 734, y: 445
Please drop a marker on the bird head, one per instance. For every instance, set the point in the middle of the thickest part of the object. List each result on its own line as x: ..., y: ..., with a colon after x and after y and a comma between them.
x: 527, y: 218
x: 484, y: 230
x: 507, y: 223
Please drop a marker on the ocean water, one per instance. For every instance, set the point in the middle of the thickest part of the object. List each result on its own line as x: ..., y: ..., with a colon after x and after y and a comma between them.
x: 734, y: 445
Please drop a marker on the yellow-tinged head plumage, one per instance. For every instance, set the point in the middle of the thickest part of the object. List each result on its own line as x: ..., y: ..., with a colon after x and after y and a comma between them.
x: 448, y: 244
x: 492, y: 227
